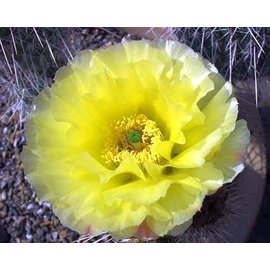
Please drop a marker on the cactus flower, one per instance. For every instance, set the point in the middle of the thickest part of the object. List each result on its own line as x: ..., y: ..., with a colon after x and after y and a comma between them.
x: 131, y: 138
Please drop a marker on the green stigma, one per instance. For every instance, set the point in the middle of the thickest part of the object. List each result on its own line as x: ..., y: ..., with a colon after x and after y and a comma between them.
x: 134, y: 137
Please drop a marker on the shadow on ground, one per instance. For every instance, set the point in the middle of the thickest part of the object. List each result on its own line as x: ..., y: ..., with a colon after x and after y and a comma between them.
x: 261, y: 231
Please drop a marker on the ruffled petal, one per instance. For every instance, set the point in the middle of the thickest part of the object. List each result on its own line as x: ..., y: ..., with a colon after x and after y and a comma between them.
x: 210, y: 177
x: 195, y: 155
x: 229, y: 159
x: 181, y: 204
x: 138, y: 192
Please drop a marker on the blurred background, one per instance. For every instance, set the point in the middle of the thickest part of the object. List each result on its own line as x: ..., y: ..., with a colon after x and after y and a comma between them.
x: 29, y: 58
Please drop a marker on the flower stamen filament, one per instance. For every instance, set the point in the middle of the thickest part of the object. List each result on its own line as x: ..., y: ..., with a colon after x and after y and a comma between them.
x: 135, y: 134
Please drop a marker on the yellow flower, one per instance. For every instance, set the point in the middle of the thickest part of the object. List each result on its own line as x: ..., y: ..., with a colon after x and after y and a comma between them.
x: 130, y: 139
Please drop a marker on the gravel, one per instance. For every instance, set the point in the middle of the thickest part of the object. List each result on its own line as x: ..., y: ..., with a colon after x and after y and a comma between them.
x: 25, y: 218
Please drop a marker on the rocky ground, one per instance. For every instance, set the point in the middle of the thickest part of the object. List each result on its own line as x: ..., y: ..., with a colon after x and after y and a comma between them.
x: 24, y: 217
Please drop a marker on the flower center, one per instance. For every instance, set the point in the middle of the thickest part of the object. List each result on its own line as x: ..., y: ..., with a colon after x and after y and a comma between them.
x: 134, y: 137
x: 135, y: 134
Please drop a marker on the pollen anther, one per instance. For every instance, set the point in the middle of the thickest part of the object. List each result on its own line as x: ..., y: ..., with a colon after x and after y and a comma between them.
x: 135, y: 134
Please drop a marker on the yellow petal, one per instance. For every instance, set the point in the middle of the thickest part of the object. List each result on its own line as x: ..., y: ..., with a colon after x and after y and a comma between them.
x: 190, y: 159
x: 138, y: 192
x: 229, y: 159
x: 195, y: 155
x: 210, y: 177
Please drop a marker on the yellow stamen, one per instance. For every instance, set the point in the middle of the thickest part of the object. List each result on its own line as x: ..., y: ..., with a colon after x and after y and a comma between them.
x: 135, y: 134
